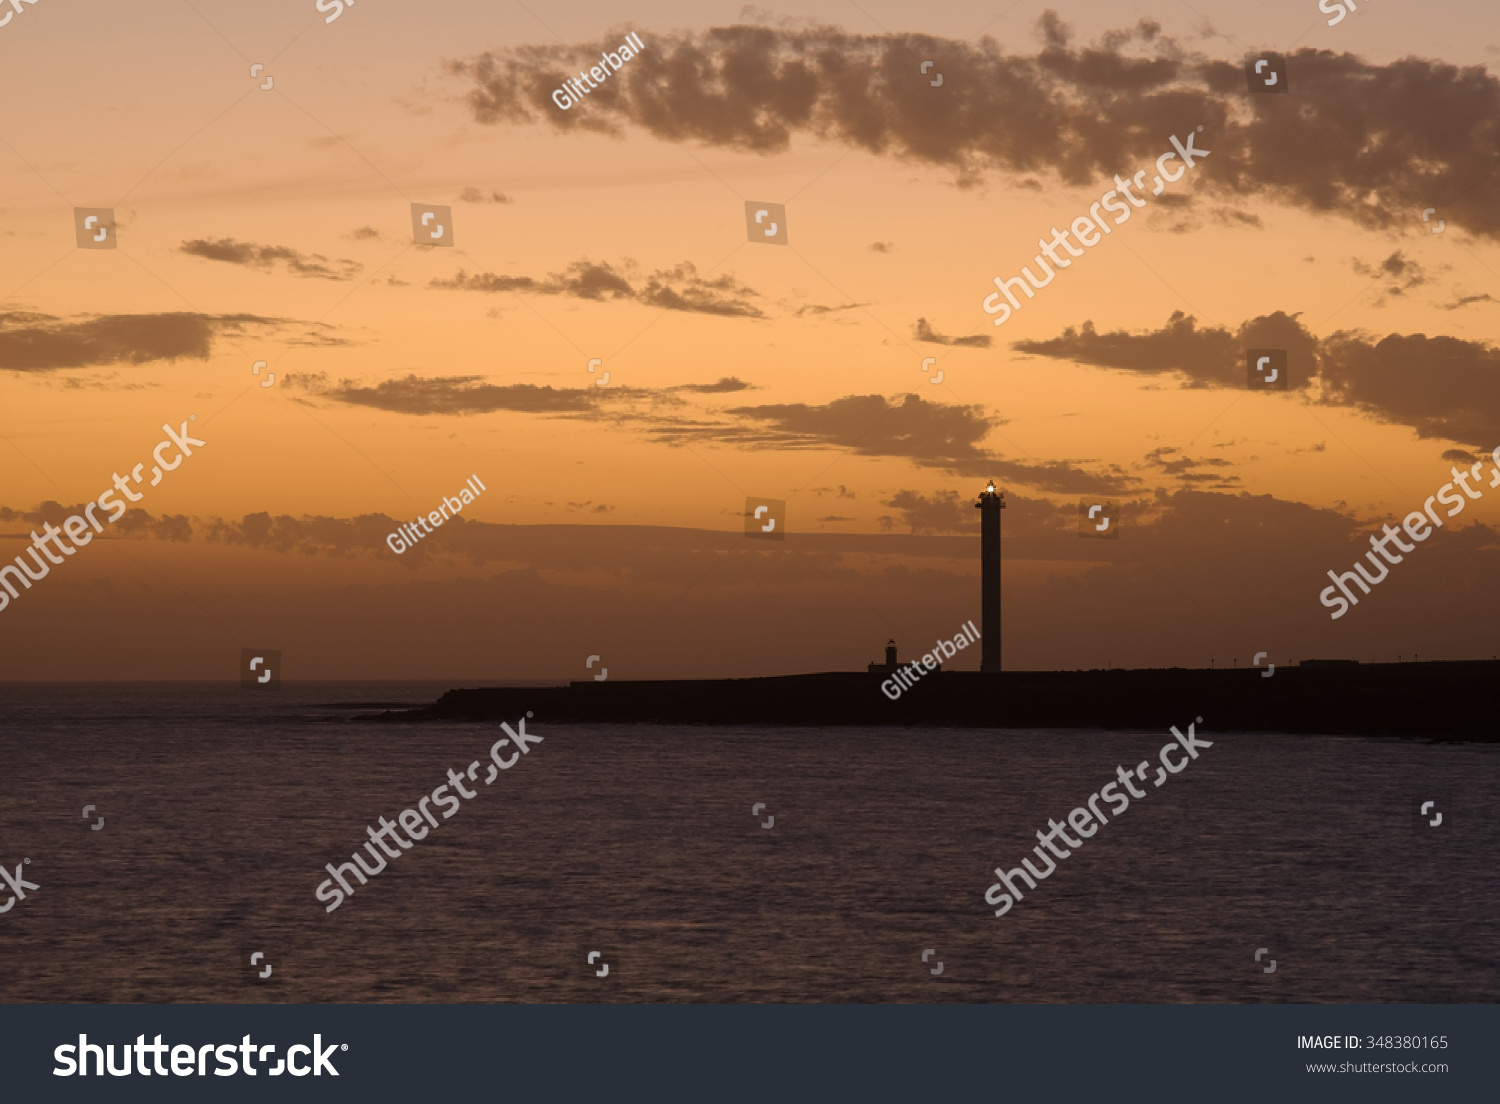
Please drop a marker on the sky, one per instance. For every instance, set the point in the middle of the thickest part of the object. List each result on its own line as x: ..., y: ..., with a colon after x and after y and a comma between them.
x: 1352, y: 221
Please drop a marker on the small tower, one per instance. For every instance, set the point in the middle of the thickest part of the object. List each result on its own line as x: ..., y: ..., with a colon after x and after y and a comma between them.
x: 890, y: 660
x: 990, y: 503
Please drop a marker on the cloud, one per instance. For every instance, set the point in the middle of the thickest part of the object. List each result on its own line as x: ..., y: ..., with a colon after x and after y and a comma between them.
x: 1175, y: 463
x: 44, y: 343
x: 1211, y: 357
x: 449, y: 395
x: 1056, y: 476
x: 1465, y: 300
x: 870, y: 425
x: 474, y: 195
x: 484, y: 281
x: 590, y: 281
x: 1356, y: 140
x: 723, y: 386
x: 168, y: 527
x: 882, y: 247
x: 720, y: 296
x: 133, y: 523
x: 1182, y: 214
x: 943, y: 512
x: 924, y: 332
x: 307, y: 535
x: 1398, y: 273
x: 421, y: 396
x: 679, y: 288
x: 1439, y: 386
x: 248, y: 254
x: 930, y: 434
x: 818, y: 308
x: 1230, y: 216
x: 1052, y: 30
x: 1398, y: 267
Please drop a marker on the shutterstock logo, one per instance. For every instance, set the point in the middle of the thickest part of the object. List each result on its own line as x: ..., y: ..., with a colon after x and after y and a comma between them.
x: 190, y: 1061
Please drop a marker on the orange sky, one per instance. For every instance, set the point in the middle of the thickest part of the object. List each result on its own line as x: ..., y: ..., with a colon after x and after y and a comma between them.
x: 275, y: 225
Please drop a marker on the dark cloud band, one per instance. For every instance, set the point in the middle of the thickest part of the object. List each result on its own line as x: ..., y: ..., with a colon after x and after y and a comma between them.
x: 1444, y: 387
x: 1356, y: 139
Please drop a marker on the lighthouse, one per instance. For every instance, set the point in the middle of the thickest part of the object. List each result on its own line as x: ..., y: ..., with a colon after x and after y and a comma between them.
x: 990, y: 503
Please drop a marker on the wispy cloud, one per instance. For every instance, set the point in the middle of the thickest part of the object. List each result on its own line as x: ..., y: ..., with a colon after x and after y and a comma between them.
x: 1465, y: 300
x: 1397, y: 274
x: 474, y: 195
x: 922, y: 331
x: 723, y: 386
x: 679, y: 288
x: 816, y: 309
x: 1178, y: 465
x: 448, y: 395
x: 266, y: 257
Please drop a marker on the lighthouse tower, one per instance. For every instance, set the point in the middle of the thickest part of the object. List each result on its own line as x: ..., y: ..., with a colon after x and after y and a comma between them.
x: 990, y: 503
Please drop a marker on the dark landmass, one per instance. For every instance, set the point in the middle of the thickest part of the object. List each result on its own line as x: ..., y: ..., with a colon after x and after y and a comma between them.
x: 1443, y: 699
x: 367, y: 705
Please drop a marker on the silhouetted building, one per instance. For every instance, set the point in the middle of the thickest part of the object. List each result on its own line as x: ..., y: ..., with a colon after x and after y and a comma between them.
x: 891, y: 665
x: 990, y: 503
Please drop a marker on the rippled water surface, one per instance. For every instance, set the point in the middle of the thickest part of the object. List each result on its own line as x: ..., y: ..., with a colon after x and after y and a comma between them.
x: 222, y: 806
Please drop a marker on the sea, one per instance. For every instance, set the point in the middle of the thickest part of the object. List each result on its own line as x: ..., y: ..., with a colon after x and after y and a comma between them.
x: 645, y: 863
